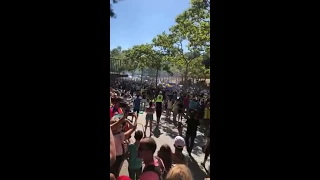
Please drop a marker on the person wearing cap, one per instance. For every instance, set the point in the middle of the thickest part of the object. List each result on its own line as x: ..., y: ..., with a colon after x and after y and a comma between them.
x: 178, y: 157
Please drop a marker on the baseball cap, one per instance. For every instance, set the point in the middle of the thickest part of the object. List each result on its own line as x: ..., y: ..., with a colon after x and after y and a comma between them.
x: 179, y: 142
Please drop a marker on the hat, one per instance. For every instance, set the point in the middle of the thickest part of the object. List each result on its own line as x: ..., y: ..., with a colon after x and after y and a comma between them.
x: 179, y: 142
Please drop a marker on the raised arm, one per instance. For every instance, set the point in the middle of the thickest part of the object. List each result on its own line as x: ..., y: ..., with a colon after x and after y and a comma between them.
x: 135, y: 116
x: 112, y: 149
x: 118, y: 124
x: 133, y: 127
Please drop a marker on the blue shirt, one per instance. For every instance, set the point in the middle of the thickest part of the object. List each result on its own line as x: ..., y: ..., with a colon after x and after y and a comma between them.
x: 136, y: 103
x: 193, y: 104
x: 134, y: 161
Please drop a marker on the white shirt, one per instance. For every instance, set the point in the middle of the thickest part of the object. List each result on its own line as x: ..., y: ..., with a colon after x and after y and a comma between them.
x: 169, y: 104
x: 118, y: 139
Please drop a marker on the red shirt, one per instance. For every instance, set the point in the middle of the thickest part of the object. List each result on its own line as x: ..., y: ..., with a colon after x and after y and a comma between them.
x: 149, y: 175
x: 112, y: 113
x: 186, y: 102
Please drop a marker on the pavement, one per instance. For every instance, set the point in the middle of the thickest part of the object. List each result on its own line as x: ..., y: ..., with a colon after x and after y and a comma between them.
x: 166, y: 136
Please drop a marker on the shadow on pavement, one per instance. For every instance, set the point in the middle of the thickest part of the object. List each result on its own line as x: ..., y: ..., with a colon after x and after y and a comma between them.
x: 167, y: 127
x: 197, y: 172
x: 156, y: 132
x: 198, y: 143
x: 170, y: 129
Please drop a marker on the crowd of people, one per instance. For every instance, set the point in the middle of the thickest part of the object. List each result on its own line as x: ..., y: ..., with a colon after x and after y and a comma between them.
x: 129, y: 99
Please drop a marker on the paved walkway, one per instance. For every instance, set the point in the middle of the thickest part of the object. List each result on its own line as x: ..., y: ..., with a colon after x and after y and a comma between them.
x: 167, y: 134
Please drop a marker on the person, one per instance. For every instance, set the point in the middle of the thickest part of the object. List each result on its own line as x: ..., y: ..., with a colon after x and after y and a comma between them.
x: 181, y: 172
x: 116, y: 109
x: 159, y: 101
x: 119, y: 137
x: 137, y: 87
x: 180, y: 111
x: 112, y: 149
x: 144, y: 99
x: 154, y: 168
x: 169, y: 104
x: 178, y: 157
x: 186, y: 102
x: 149, y: 118
x: 192, y: 127
x: 121, y: 123
x: 123, y: 178
x: 200, y: 114
x: 206, y: 118
x: 111, y: 95
x: 112, y: 177
x: 206, y: 150
x: 165, y: 154
x: 128, y: 124
x: 175, y: 111
x: 135, y: 163
x: 193, y: 104
x: 174, y: 95
x: 136, y: 105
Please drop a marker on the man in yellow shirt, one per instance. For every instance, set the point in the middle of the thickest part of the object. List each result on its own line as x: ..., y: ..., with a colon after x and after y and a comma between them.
x: 159, y: 101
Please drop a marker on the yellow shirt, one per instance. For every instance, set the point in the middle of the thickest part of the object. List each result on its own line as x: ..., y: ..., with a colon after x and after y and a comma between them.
x: 159, y: 98
x: 207, y: 113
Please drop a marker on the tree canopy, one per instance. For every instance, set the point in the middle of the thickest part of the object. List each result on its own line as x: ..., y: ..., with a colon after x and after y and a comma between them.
x: 184, y: 47
x: 112, y: 13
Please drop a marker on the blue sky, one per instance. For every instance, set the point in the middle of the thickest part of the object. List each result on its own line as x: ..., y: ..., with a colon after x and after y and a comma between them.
x: 139, y: 21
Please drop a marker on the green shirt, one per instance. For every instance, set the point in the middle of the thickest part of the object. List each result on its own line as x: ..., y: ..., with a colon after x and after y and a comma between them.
x: 134, y: 161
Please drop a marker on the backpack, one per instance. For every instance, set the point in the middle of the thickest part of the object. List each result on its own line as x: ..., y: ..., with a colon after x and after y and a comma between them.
x: 160, y: 170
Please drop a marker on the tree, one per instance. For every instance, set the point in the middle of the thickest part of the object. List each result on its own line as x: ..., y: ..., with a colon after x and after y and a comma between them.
x: 146, y: 57
x: 193, y: 28
x: 198, y: 70
x: 206, y: 60
x: 112, y: 14
x: 194, y: 23
x: 165, y: 50
x: 119, y: 61
x: 185, y: 47
x: 115, y: 60
x: 129, y: 62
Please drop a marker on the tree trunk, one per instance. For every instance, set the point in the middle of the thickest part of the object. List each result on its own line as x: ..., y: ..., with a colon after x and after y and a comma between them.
x: 157, y: 77
x: 186, y: 73
x: 141, y: 74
